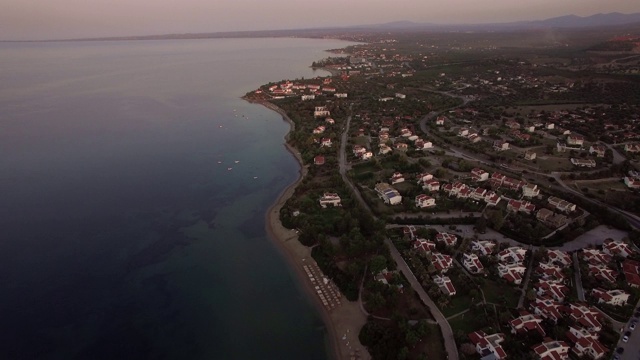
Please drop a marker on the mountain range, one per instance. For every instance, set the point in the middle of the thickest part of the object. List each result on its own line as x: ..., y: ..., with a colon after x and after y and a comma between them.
x: 567, y: 21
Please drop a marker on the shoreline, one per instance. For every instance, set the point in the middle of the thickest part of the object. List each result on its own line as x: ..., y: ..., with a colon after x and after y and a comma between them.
x: 344, y: 321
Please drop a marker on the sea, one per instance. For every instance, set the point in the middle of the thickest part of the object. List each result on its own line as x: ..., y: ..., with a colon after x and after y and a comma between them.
x: 134, y: 183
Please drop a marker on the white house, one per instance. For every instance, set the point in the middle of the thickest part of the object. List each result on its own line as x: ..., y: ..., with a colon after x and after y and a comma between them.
x: 423, y: 201
x: 488, y: 345
x: 424, y: 245
x: 448, y: 239
x: 632, y: 148
x: 384, y: 149
x: 500, y: 145
x: 612, y: 297
x: 445, y: 284
x: 321, y: 111
x: 632, y: 183
x: 431, y: 186
x: 397, y: 178
x: 529, y: 155
x: 388, y: 194
x: 424, y: 178
x: 598, y: 150
x: 472, y: 263
x: 512, y: 255
x: 561, y: 205
x: 484, y: 247
x: 616, y: 248
x: 552, y: 350
x: 576, y: 140
x: 511, y: 272
x: 530, y: 190
x: 478, y: 174
x: 583, y: 162
x: 330, y: 199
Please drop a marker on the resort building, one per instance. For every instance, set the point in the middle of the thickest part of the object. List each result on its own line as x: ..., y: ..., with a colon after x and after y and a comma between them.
x: 330, y: 199
x: 472, y: 263
x: 425, y: 201
x: 611, y: 297
x: 388, y: 194
x: 488, y: 346
x: 445, y: 284
x: 552, y: 350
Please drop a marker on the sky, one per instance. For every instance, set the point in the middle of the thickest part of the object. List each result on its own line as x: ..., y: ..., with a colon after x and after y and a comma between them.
x: 63, y: 19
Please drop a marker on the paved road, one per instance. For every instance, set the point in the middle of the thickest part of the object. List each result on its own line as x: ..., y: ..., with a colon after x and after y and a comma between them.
x: 447, y: 333
x: 595, y: 236
x: 633, y: 219
x: 632, y: 347
x: 342, y: 165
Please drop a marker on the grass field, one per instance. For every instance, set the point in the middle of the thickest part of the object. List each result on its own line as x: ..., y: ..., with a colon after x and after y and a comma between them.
x: 498, y: 293
x: 552, y: 163
x: 457, y: 304
x: 467, y: 323
x: 433, y: 344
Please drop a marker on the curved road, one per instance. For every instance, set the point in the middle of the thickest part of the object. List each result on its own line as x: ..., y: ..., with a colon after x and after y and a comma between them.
x: 447, y: 333
x: 342, y: 165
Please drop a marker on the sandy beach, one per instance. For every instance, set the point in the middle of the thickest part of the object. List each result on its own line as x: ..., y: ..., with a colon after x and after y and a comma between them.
x: 343, y: 318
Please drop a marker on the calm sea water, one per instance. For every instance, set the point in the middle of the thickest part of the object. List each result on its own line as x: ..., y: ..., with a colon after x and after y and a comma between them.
x: 123, y: 233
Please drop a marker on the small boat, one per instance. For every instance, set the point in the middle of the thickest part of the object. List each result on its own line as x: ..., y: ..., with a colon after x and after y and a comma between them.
x: 219, y: 162
x: 229, y: 168
x: 237, y: 161
x: 220, y: 126
x: 255, y: 177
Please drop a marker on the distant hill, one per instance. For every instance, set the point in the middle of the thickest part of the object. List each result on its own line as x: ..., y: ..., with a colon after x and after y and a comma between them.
x: 567, y: 21
x: 573, y: 21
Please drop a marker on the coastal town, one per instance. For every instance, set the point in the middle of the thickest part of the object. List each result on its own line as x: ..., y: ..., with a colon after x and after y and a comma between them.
x: 473, y: 196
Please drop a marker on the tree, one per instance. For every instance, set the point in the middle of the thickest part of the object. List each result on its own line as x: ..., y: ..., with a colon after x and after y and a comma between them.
x: 404, y: 353
x: 481, y: 225
x: 375, y: 300
x: 531, y: 295
x: 496, y: 219
x: 377, y: 264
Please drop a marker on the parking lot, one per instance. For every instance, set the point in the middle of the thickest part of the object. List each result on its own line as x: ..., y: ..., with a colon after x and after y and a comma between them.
x: 632, y: 345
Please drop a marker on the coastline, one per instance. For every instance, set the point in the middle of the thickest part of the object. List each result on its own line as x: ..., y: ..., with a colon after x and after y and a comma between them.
x: 343, y: 321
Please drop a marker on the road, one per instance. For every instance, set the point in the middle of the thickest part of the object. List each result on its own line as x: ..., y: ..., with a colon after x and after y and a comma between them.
x: 617, y: 157
x: 631, y: 347
x: 342, y: 164
x: 633, y: 220
x: 447, y: 332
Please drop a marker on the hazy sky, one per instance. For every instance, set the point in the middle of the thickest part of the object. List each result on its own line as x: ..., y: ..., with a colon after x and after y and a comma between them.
x: 51, y: 19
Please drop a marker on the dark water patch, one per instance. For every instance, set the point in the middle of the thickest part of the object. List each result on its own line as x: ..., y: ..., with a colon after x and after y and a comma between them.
x: 159, y: 250
x: 108, y: 155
